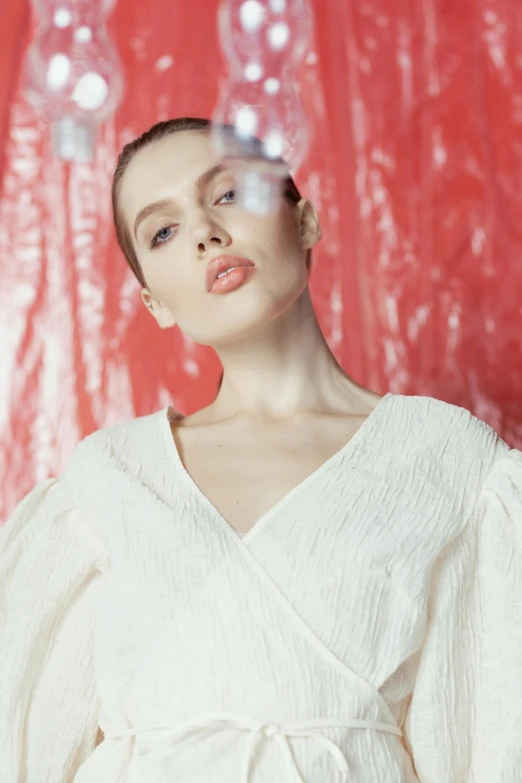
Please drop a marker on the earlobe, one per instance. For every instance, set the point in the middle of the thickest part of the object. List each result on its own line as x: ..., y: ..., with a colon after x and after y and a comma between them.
x: 310, y: 226
x: 158, y: 310
x: 165, y: 319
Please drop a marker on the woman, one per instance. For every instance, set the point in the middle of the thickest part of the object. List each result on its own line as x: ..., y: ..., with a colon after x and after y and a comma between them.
x: 302, y: 581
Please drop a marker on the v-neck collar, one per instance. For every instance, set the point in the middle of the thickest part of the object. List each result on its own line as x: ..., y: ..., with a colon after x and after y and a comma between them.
x: 346, y: 450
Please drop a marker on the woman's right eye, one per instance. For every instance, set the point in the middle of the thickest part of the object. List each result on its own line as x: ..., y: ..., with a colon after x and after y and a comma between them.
x: 161, y: 237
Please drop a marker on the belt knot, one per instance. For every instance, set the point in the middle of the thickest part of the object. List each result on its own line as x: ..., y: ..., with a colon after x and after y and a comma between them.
x: 257, y: 730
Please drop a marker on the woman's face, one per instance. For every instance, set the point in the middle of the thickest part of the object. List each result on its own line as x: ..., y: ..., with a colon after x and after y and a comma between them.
x: 175, y: 240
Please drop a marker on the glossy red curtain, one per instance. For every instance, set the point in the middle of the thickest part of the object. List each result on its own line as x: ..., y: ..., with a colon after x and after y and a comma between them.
x: 415, y: 168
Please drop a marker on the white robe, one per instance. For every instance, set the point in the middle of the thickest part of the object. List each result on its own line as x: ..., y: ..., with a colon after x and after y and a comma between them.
x: 367, y: 629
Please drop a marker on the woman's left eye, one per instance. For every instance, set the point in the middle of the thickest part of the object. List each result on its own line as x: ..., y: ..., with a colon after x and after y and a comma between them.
x: 226, y: 194
x: 160, y: 238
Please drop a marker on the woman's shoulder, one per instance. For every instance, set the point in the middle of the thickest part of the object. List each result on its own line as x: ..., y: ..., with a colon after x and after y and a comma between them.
x: 125, y: 428
x: 437, y: 411
x: 443, y: 429
x: 127, y: 439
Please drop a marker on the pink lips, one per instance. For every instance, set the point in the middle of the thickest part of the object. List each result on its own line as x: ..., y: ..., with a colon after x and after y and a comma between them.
x: 232, y: 280
x: 221, y: 264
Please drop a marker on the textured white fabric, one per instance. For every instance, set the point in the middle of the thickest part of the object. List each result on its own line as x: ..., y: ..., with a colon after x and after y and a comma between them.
x: 368, y: 629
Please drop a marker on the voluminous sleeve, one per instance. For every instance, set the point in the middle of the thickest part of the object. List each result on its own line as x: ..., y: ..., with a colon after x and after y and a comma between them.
x: 464, y: 721
x: 51, y: 570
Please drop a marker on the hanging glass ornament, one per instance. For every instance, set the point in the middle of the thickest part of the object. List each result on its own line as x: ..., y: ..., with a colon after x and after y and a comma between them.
x: 259, y: 125
x: 72, y: 74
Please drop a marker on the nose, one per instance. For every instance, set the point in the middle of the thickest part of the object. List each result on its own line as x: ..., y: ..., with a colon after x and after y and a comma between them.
x: 214, y: 240
x: 208, y: 232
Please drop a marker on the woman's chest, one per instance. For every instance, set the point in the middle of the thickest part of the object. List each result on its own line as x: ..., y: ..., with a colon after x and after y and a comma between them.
x: 353, y: 571
x: 245, y: 475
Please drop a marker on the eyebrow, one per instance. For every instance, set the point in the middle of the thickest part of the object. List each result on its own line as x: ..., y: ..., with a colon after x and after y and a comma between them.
x: 201, y: 181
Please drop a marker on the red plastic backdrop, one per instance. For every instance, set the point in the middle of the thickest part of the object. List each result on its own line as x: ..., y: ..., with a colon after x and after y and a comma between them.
x: 415, y: 168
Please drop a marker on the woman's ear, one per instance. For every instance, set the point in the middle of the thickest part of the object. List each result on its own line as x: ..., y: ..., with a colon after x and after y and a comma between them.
x: 309, y: 226
x: 160, y: 312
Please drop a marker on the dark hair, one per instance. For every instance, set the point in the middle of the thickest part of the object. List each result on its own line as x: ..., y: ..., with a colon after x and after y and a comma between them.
x: 159, y: 131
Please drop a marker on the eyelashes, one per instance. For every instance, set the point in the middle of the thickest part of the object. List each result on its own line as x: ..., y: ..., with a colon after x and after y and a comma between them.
x: 158, y: 240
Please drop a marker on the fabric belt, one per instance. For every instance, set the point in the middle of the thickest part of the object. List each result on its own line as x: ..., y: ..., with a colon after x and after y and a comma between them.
x: 258, y: 731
